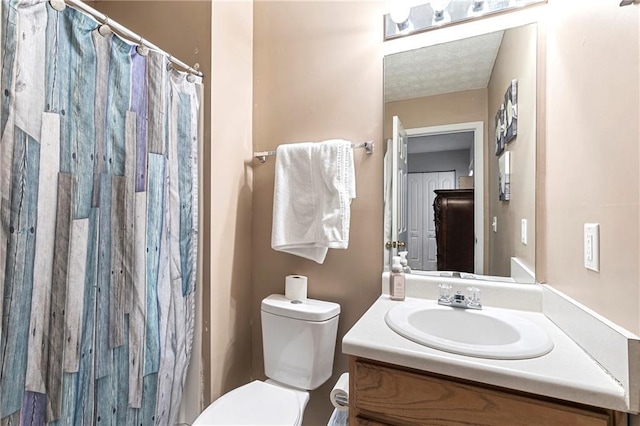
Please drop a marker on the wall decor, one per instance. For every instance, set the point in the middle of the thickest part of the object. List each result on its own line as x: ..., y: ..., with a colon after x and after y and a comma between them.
x: 499, y: 126
x: 511, y: 112
x: 504, y: 173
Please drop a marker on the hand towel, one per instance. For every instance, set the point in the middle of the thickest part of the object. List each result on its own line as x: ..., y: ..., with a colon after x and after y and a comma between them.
x: 313, y: 189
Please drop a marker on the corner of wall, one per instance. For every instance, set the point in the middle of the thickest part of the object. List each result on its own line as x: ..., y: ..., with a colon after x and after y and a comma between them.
x: 228, y: 355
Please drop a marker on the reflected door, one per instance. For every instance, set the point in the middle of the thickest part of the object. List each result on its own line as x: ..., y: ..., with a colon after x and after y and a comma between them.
x: 398, y: 189
x: 421, y: 224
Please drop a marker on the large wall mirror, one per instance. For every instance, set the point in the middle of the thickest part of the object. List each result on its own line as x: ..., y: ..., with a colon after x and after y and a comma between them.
x: 444, y: 106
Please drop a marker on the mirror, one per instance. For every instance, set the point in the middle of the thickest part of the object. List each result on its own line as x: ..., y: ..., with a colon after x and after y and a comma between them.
x: 452, y: 100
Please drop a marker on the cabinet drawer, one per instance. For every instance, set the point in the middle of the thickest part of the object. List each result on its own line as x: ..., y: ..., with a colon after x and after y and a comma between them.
x: 397, y: 396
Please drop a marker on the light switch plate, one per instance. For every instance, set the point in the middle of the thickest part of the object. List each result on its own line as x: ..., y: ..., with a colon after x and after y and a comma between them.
x: 592, y: 246
x: 523, y: 231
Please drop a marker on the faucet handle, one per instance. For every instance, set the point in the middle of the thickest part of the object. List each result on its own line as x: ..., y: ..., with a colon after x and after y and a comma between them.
x: 445, y: 293
x: 474, y: 296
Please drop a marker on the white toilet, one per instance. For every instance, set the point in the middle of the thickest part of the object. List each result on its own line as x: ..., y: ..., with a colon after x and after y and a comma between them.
x: 298, y: 341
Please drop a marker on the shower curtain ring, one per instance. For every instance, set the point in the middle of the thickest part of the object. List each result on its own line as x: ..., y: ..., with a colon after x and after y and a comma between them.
x: 105, y: 29
x: 58, y: 5
x: 142, y: 49
x: 170, y: 63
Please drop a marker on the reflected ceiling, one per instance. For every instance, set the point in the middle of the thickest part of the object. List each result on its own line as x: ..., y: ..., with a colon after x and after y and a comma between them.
x: 445, y: 68
x: 440, y: 142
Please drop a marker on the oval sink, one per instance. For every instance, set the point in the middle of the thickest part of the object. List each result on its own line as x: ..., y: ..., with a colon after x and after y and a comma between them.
x: 488, y: 333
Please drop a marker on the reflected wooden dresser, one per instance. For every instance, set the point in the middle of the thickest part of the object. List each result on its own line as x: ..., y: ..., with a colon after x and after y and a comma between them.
x: 454, y: 222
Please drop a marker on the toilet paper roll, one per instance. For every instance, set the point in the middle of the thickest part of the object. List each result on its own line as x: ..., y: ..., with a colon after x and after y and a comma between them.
x: 295, y: 287
x: 340, y: 393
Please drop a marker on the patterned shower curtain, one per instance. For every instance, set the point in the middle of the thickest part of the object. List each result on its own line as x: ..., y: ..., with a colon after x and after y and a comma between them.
x: 98, y: 224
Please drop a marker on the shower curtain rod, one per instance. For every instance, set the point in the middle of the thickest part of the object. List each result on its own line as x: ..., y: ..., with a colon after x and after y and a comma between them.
x: 122, y: 30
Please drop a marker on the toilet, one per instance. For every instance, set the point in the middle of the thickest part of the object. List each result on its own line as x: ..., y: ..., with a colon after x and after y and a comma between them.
x: 298, y: 343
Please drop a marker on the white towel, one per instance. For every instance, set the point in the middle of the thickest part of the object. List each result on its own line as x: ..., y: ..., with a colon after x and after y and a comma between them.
x: 339, y: 418
x: 314, y: 186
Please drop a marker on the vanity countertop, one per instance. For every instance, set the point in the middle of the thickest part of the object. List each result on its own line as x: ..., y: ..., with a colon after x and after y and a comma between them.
x: 566, y: 373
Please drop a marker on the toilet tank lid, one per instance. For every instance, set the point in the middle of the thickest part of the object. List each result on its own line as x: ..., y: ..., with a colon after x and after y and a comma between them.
x: 308, y: 310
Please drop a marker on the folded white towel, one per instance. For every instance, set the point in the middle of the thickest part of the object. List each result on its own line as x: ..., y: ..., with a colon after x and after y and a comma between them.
x: 314, y: 186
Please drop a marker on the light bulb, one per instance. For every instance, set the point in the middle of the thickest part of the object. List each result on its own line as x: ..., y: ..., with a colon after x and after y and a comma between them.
x: 439, y: 5
x: 477, y: 7
x: 399, y: 11
x: 440, y: 14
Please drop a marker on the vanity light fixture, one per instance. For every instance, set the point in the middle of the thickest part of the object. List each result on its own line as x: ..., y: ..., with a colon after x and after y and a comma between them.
x: 408, y: 17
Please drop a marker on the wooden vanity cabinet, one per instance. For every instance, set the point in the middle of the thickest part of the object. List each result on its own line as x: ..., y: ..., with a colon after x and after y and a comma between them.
x: 453, y: 216
x: 384, y: 394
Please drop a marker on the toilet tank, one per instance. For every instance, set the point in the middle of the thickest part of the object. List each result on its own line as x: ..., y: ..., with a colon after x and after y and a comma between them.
x: 299, y: 340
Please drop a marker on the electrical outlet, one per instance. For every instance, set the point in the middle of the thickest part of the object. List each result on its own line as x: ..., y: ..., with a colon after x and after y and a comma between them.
x: 494, y: 224
x: 592, y: 246
x: 523, y: 231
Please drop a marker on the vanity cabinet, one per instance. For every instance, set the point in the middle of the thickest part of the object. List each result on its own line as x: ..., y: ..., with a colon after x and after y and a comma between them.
x: 384, y: 394
x: 453, y: 215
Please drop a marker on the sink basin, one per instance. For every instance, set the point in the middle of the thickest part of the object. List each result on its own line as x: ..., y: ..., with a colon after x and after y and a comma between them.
x: 488, y: 333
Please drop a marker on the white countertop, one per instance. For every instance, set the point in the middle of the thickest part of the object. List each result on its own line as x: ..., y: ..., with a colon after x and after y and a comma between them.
x: 566, y: 373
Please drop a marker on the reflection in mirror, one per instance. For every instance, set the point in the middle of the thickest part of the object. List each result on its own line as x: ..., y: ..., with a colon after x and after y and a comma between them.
x: 447, y: 98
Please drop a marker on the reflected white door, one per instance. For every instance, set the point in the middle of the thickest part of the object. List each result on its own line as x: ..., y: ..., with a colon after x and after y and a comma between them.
x: 421, y: 224
x: 398, y: 189
x: 415, y: 223
x: 433, y: 182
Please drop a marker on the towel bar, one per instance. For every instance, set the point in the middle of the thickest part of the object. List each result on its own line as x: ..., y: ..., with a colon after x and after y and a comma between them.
x: 261, y: 156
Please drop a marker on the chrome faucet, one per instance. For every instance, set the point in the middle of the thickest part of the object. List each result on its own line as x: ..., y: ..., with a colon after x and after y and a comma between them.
x: 458, y: 300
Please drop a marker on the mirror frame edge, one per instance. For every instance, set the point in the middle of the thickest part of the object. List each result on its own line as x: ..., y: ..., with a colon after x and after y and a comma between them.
x: 534, y: 15
x: 540, y: 268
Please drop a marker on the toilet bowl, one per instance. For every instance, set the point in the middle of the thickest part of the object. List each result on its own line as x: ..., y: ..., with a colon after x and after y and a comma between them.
x: 257, y: 403
x: 298, y: 341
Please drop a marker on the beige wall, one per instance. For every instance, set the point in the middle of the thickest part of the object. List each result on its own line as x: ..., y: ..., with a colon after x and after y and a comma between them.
x: 592, y: 153
x: 230, y: 205
x: 318, y: 75
x: 450, y: 108
x: 516, y: 59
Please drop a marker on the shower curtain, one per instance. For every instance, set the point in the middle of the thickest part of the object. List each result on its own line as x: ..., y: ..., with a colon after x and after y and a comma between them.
x: 98, y: 223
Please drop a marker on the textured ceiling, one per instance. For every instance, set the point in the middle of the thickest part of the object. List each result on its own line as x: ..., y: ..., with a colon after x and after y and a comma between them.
x: 440, y: 142
x: 444, y: 68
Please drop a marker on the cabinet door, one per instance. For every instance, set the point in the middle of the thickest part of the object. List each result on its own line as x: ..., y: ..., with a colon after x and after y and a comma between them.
x: 386, y: 395
x: 361, y: 421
